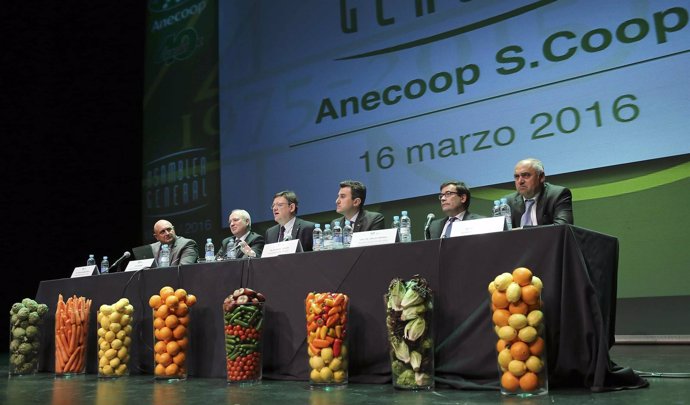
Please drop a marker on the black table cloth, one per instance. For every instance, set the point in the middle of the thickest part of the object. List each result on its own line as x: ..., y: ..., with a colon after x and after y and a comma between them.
x: 578, y: 268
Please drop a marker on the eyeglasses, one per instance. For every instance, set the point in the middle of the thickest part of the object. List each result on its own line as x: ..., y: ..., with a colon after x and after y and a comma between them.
x: 447, y: 194
x: 279, y: 205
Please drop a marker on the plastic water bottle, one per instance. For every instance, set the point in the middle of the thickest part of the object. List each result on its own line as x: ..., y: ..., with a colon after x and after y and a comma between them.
x: 347, y: 234
x: 505, y: 211
x: 230, y: 251
x: 317, y: 237
x: 91, y: 261
x: 405, y: 228
x: 496, y: 210
x: 105, y: 265
x: 327, y: 237
x: 164, y: 257
x: 396, y: 222
x: 210, y: 251
x: 337, y: 236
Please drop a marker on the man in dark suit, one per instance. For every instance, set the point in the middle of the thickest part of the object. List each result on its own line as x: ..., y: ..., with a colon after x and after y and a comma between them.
x: 285, y: 206
x: 455, y: 199
x: 182, y: 250
x: 245, y: 242
x: 547, y: 203
x: 350, y: 204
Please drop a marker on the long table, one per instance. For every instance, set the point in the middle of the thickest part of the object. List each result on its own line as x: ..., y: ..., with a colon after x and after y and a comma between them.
x: 578, y: 268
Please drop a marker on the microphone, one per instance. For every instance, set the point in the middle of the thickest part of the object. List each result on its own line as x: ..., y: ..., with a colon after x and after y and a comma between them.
x: 430, y: 217
x: 118, y: 261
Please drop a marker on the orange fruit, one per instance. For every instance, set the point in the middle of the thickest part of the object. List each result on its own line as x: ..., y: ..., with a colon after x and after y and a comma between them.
x: 509, y: 382
x: 158, y: 323
x: 500, y: 345
x: 522, y: 276
x: 182, y: 309
x: 530, y: 294
x: 160, y: 369
x: 499, y: 299
x: 537, y: 347
x: 165, y: 359
x: 179, y: 359
x: 159, y: 347
x: 519, y: 351
x: 171, y: 301
x: 157, y: 334
x: 518, y: 308
x: 181, y: 294
x: 184, y: 320
x: 172, y: 369
x: 166, y: 291
x: 183, y: 343
x: 162, y: 311
x: 191, y: 300
x: 165, y: 333
x: 155, y: 301
x: 172, y: 348
x: 171, y: 321
x: 532, y: 307
x: 529, y: 381
x: 179, y: 332
x: 500, y: 317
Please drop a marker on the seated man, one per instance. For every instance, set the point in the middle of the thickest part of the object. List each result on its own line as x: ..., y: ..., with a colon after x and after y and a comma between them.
x: 455, y: 199
x: 182, y: 250
x: 546, y: 203
x: 246, y: 243
x: 285, y: 206
x: 350, y: 203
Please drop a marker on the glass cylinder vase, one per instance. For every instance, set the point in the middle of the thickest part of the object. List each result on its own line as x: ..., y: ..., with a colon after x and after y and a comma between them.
x: 409, y: 320
x: 171, y: 321
x: 519, y: 323
x: 327, y: 317
x: 114, y: 338
x: 26, y: 320
x: 243, y: 317
x: 71, y: 331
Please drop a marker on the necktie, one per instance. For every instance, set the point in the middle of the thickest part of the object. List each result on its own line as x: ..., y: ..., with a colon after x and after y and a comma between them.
x: 281, y: 234
x: 527, y: 216
x: 449, y: 227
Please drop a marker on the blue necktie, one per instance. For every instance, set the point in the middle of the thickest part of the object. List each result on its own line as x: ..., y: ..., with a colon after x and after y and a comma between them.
x: 446, y: 234
x: 527, y: 216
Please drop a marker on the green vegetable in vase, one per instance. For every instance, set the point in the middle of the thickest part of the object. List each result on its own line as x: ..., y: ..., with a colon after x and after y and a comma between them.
x: 396, y: 291
x: 34, y: 318
x: 18, y: 333
x: 402, y: 352
x: 30, y: 304
x: 15, y: 308
x: 25, y: 348
x: 31, y: 331
x: 23, y: 313
x: 415, y: 360
x: 411, y: 298
x: 406, y: 379
x: 415, y: 329
x: 42, y: 309
x: 422, y: 379
x: 14, y: 345
x: 410, y: 313
x: 398, y: 367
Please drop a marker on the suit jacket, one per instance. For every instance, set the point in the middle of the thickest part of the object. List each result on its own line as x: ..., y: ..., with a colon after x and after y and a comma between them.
x: 254, y: 240
x: 182, y: 251
x: 302, y: 230
x: 436, y: 226
x: 554, y: 206
x: 366, y: 221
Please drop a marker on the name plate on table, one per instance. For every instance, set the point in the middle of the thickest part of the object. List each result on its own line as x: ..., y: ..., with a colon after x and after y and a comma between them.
x: 371, y: 238
x: 282, y: 248
x: 136, y: 265
x: 83, y: 271
x: 478, y: 226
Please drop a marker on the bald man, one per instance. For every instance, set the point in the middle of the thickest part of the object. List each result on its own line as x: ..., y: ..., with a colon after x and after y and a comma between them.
x: 182, y: 250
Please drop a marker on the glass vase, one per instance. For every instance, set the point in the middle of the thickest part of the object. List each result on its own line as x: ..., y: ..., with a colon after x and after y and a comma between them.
x: 71, y: 331
x: 114, y: 338
x: 171, y: 341
x: 243, y: 342
x: 327, y: 317
x: 25, y: 345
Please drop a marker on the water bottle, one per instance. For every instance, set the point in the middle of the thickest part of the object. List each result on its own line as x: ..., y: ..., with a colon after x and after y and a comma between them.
x: 405, y: 228
x: 496, y: 210
x: 347, y: 234
x: 105, y: 265
x: 327, y: 237
x: 505, y: 211
x: 317, y: 237
x: 164, y: 257
x: 91, y: 261
x: 337, y: 236
x: 210, y: 251
x: 230, y: 250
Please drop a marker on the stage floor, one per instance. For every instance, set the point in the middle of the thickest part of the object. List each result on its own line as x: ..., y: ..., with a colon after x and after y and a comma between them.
x: 44, y: 389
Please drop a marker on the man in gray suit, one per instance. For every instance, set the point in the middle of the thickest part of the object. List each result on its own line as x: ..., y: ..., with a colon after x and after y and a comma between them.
x: 350, y: 204
x: 547, y: 203
x: 289, y: 226
x: 246, y: 242
x: 455, y: 199
x: 182, y: 250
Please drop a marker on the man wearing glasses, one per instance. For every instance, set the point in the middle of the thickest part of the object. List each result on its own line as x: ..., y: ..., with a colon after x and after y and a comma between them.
x: 455, y: 201
x: 182, y: 250
x: 536, y: 202
x: 289, y: 227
